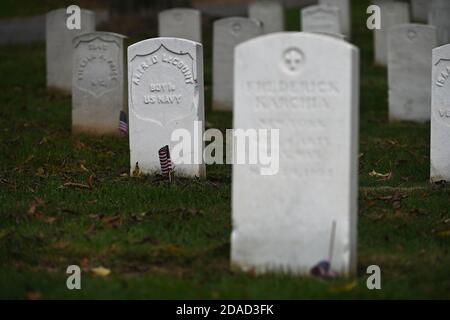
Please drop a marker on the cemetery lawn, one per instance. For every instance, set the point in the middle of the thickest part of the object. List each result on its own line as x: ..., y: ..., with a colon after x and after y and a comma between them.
x: 68, y: 200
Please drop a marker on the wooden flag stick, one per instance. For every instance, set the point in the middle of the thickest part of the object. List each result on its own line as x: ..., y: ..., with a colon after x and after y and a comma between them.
x: 333, y: 232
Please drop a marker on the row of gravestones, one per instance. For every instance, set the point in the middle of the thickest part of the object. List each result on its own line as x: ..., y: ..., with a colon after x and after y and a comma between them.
x: 417, y: 57
x: 288, y: 81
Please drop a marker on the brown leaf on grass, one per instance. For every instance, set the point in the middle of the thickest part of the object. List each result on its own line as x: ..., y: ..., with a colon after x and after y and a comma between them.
x: 101, y: 271
x: 50, y: 220
x: 60, y: 245
x: 138, y: 216
x: 392, y: 141
x: 33, y: 295
x: 44, y: 140
x: 40, y: 172
x: 416, y: 211
x: 90, y: 230
x: 188, y: 212
x: 84, y: 168
x: 30, y: 157
x: 84, y: 263
x: 79, y: 145
x: 444, y: 234
x: 136, y: 170
x: 76, y: 185
x: 111, y: 221
x: 34, y: 205
x: 377, y: 217
x: 91, y: 181
x: 344, y: 288
x: 70, y: 211
x: 382, y: 176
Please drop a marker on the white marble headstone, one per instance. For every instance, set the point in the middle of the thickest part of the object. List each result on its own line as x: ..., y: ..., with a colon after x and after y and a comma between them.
x: 409, y: 71
x: 420, y: 9
x: 270, y: 13
x: 440, y: 115
x: 59, y: 49
x: 228, y: 32
x: 439, y: 16
x: 181, y: 23
x: 283, y: 222
x: 165, y: 92
x: 345, y: 14
x: 392, y: 13
x: 321, y: 19
x: 98, y: 87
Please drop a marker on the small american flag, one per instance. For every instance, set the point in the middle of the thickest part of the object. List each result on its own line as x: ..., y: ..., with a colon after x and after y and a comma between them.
x: 123, y: 123
x: 323, y: 268
x: 164, y: 160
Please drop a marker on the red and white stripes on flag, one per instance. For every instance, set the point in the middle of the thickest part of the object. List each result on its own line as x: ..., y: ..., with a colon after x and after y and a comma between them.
x: 164, y: 160
x: 123, y: 123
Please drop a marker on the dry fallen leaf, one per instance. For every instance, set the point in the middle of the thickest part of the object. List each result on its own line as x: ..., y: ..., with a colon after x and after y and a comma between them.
x: 136, y: 171
x: 112, y: 221
x: 50, y: 220
x: 33, y: 295
x: 40, y: 172
x: 76, y: 185
x: 101, y: 271
x: 34, y: 205
x: 345, y: 288
x: 444, y: 234
x: 386, y: 176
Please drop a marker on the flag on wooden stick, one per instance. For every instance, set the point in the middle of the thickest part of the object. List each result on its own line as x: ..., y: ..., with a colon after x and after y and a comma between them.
x: 123, y: 122
x: 165, y: 162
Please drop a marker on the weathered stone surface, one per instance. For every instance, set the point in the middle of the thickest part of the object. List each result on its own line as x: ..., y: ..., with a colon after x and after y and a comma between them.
x: 181, y: 23
x: 344, y: 12
x: 439, y: 16
x: 440, y: 115
x: 392, y: 13
x: 59, y: 49
x: 165, y: 92
x: 98, y: 90
x: 321, y: 19
x: 409, y: 71
x: 228, y: 33
x: 283, y: 222
x: 270, y: 13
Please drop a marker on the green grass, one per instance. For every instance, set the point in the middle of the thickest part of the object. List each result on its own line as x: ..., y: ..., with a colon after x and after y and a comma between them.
x: 173, y: 242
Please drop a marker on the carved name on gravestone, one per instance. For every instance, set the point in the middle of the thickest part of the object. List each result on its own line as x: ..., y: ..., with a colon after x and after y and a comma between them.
x: 409, y: 71
x: 344, y: 12
x: 181, y: 23
x: 98, y: 90
x: 165, y: 90
x: 439, y: 17
x: 420, y: 10
x: 59, y: 48
x: 228, y: 33
x: 440, y: 115
x: 291, y: 82
x: 321, y: 19
x: 392, y: 13
x: 270, y: 13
